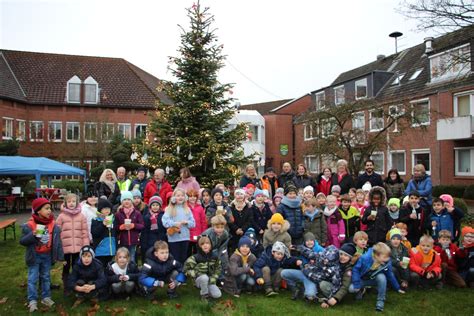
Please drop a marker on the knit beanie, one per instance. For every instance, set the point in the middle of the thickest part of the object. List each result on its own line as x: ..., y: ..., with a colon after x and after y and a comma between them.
x: 394, y: 201
x: 280, y: 247
x: 290, y: 188
x: 277, y: 218
x: 126, y: 195
x: 136, y: 193
x: 245, y: 241
x: 308, y: 236
x: 367, y: 187
x: 104, y: 203
x: 38, y: 203
x: 336, y: 188
x: 447, y: 199
x: 280, y: 191
x: 239, y: 191
x: 155, y: 199
x: 395, y: 233
x: 86, y: 249
x: 467, y: 230
x: 261, y: 192
x: 348, y: 249
x: 215, y: 191
x: 308, y: 188
x: 250, y: 233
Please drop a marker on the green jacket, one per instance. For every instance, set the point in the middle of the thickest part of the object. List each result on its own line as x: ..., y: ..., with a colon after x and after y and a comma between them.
x: 346, y: 271
x: 203, y: 264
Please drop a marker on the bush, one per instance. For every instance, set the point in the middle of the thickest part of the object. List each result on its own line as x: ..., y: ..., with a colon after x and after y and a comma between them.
x: 453, y: 190
x: 469, y: 192
x: 461, y: 204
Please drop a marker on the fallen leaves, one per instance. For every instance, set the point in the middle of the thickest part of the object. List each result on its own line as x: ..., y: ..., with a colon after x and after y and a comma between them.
x: 61, y: 311
x: 226, y: 305
x: 3, y: 300
x: 116, y: 310
x: 178, y: 306
x: 93, y: 310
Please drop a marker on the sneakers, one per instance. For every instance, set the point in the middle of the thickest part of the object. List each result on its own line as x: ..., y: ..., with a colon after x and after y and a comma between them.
x: 360, y: 294
x: 33, y: 306
x: 309, y: 300
x: 47, y: 301
x: 295, y: 292
x: 269, y: 292
x: 379, y: 306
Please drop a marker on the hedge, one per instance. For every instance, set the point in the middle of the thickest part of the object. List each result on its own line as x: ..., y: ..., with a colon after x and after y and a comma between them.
x: 453, y: 190
x: 469, y: 192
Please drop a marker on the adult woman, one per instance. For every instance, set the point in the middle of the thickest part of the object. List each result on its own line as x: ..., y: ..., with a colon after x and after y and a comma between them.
x: 302, y: 179
x: 421, y: 182
x: 287, y: 175
x: 108, y: 187
x: 342, y: 177
x: 324, y: 181
x: 394, y: 185
x: 250, y: 177
x: 188, y: 182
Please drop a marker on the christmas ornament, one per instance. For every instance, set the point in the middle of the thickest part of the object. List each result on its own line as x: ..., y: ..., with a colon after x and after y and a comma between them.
x: 190, y: 156
x: 214, y: 165
x: 177, y: 149
x: 167, y: 170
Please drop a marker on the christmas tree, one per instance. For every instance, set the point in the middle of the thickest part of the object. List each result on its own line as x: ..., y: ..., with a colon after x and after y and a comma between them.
x: 193, y: 131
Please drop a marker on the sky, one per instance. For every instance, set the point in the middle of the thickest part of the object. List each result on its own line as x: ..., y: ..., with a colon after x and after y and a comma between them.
x: 275, y: 49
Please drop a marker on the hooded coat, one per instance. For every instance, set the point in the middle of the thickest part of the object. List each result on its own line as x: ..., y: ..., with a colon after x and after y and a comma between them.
x: 326, y: 268
x: 267, y: 260
x: 291, y: 211
x: 316, y: 224
x: 131, y: 270
x: 74, y: 229
x: 203, y: 264
x: 270, y: 237
x: 377, y: 229
x: 105, y: 242
x: 94, y: 273
x: 155, y: 269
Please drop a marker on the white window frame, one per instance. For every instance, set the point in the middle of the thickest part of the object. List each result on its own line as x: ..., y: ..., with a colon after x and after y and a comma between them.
x: 450, y: 74
x: 90, y: 81
x: 36, y: 130
x: 49, y: 131
x: 398, y: 79
x: 74, y: 80
x: 78, y: 132
x: 21, y: 130
x: 463, y: 174
x: 420, y: 151
x: 390, y: 164
x: 320, y: 102
x: 125, y: 125
x: 371, y: 128
x: 462, y: 94
x: 262, y: 133
x: 104, y: 134
x: 312, y: 131
x: 343, y: 94
x: 73, y: 163
x: 8, y: 133
x: 255, y: 129
x: 361, y: 113
x: 383, y: 161
x: 398, y: 113
x: 146, y: 128
x: 85, y: 132
x: 326, y: 127
x: 416, y: 74
x: 357, y: 84
x: 307, y: 163
x: 413, y: 104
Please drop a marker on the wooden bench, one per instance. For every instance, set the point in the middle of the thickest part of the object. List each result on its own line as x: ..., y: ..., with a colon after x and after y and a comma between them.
x: 8, y: 223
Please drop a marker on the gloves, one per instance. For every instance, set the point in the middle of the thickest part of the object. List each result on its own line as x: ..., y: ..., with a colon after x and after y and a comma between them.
x: 44, y: 239
x: 341, y: 237
x: 158, y: 283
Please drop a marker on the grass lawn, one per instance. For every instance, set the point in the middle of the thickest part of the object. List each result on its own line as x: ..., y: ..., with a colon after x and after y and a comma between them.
x: 13, y: 288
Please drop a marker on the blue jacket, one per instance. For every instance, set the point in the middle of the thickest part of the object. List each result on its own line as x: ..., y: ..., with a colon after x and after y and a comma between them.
x: 105, y: 242
x: 444, y: 220
x: 154, y: 269
x: 423, y: 186
x: 362, y: 270
x: 169, y: 221
x: 291, y: 211
x: 267, y: 260
x: 141, y: 184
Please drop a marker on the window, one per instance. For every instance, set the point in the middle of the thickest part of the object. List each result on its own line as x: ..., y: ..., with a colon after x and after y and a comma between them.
x: 320, y: 100
x: 464, y: 104
x: 108, y: 131
x: 328, y: 127
x: 422, y: 156
x: 398, y: 79
x: 310, y: 130
x: 358, y: 121
x: 464, y: 161
x: 416, y: 74
x: 394, y: 114
x: 7, y: 128
x: 73, y: 131
x: 91, y: 90
x: 361, y: 88
x: 73, y: 163
x: 398, y: 161
x: 74, y: 90
x: 378, y: 158
x: 140, y: 130
x: 420, y: 113
x: 36, y: 131
x: 21, y: 131
x: 339, y: 95
x: 376, y: 122
x: 90, y: 132
x: 252, y: 133
x: 55, y: 131
x: 312, y: 163
x: 450, y: 64
x: 125, y: 130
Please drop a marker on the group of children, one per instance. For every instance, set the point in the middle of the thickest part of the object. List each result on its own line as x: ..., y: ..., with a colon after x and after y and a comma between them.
x: 319, y: 247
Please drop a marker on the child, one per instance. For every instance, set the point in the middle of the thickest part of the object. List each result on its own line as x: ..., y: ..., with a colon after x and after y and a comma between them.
x: 122, y: 275
x: 217, y: 206
x: 178, y: 219
x: 128, y: 224
x: 153, y: 226
x: 87, y: 278
x: 200, y: 220
x: 250, y: 191
x: 41, y: 237
x: 103, y: 232
x: 335, y: 223
x: 243, y: 218
x: 160, y: 269
x: 361, y: 239
x: 205, y: 195
x: 361, y: 204
x: 336, y: 192
x: 269, y: 266
x: 276, y: 201
x: 425, y: 264
x: 321, y: 198
x: 256, y: 246
x: 466, y: 266
x: 291, y: 211
x: 89, y: 209
x: 441, y: 219
x: 277, y: 230
x: 240, y: 272
x: 309, y: 248
x: 205, y: 269
x: 376, y: 216
x: 394, y: 210
x: 137, y: 202
x: 219, y: 238
x: 455, y: 212
x: 261, y: 213
x: 314, y: 221
x: 350, y: 216
x: 404, y: 233
x: 414, y: 216
x: 74, y: 233
x: 308, y: 193
x: 352, y: 195
x: 400, y: 258
x: 450, y: 254
x: 374, y: 269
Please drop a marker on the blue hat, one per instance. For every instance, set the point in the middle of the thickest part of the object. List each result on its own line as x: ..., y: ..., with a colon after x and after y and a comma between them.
x: 126, y: 195
x: 261, y: 192
x: 244, y: 240
x: 250, y: 233
x: 136, y: 192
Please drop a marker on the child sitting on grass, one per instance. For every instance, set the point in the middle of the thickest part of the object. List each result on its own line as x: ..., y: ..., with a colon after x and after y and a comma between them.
x: 277, y: 230
x: 41, y: 237
x: 400, y: 258
x: 103, y: 232
x: 425, y: 264
x: 122, y: 275
x: 450, y: 255
x: 314, y: 221
x: 240, y: 273
x: 205, y: 269
x: 361, y: 239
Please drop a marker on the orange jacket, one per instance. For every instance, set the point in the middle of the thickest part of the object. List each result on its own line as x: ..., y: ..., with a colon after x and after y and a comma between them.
x: 266, y: 185
x: 416, y: 261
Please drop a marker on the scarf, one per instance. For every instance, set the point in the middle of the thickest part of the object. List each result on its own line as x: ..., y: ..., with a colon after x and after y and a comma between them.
x: 119, y: 271
x: 110, y: 184
x: 328, y: 212
x: 42, y: 221
x: 127, y: 211
x: 70, y: 211
x: 154, y: 221
x: 312, y: 215
x: 239, y: 206
x: 340, y: 176
x: 325, y: 178
x: 394, y: 215
x: 245, y: 259
x: 291, y: 203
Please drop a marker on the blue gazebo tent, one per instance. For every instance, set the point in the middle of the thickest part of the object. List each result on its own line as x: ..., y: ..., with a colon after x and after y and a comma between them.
x: 38, y: 166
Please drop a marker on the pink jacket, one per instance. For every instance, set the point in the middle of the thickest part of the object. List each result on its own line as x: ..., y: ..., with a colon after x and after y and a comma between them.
x: 74, y: 229
x: 200, y: 221
x: 188, y: 184
x: 335, y: 225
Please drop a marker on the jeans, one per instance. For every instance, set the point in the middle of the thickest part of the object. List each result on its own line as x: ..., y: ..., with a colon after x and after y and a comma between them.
x: 380, y: 282
x: 202, y: 282
x: 293, y: 276
x: 40, y: 270
x: 244, y: 280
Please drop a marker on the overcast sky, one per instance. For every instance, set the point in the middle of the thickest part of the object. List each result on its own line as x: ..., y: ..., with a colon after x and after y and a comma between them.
x: 276, y: 49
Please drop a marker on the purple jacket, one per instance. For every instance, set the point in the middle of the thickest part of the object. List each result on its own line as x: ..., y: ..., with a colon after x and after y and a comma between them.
x: 130, y: 237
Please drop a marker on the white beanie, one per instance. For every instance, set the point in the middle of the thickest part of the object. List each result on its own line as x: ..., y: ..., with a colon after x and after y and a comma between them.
x: 308, y: 188
x: 367, y: 187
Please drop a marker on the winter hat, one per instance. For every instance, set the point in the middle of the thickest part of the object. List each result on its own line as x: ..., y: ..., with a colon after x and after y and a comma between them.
x: 261, y: 192
x: 86, y: 249
x: 467, y: 230
x: 336, y: 188
x: 245, y: 241
x: 447, y: 199
x: 290, y: 188
x: 277, y: 196
x: 277, y: 218
x: 280, y: 247
x: 280, y: 191
x: 367, y: 187
x: 269, y: 169
x: 126, y: 195
x: 155, y: 199
x: 136, y: 193
x: 348, y: 249
x: 395, y: 233
x: 308, y: 188
x: 250, y: 233
x: 104, y: 203
x: 320, y: 194
x: 394, y: 201
x: 215, y: 191
x: 265, y: 193
x: 38, y: 203
x: 308, y: 236
x: 239, y: 191
x: 405, y: 200
x: 250, y: 185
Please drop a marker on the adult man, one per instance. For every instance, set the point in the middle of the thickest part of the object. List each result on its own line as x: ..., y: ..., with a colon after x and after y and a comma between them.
x: 157, y: 185
x: 141, y: 180
x: 369, y: 176
x: 287, y: 175
x: 122, y: 181
x: 269, y: 181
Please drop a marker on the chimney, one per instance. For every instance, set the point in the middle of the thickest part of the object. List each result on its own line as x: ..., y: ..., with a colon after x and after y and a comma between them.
x: 380, y: 57
x: 428, y: 45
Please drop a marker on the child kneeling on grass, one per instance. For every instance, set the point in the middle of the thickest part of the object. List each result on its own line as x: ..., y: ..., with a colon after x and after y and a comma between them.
x: 204, y: 268
x: 425, y: 264
x: 160, y: 269
x: 40, y: 236
x: 400, y: 257
x: 122, y: 275
x: 450, y: 256
x: 239, y: 275
x: 87, y: 278
x: 373, y: 269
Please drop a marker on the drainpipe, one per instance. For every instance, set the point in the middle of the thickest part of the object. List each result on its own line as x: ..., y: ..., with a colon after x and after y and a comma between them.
x: 438, y: 143
x: 293, y: 140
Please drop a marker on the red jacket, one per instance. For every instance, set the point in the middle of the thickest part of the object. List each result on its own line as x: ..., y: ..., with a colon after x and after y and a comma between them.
x: 416, y: 260
x: 151, y: 189
x: 455, y: 252
x: 200, y: 222
x: 324, y: 186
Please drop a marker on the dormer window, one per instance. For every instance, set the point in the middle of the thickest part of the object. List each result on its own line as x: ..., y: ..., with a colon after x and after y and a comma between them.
x: 74, y: 90
x: 451, y: 64
x: 91, y: 89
